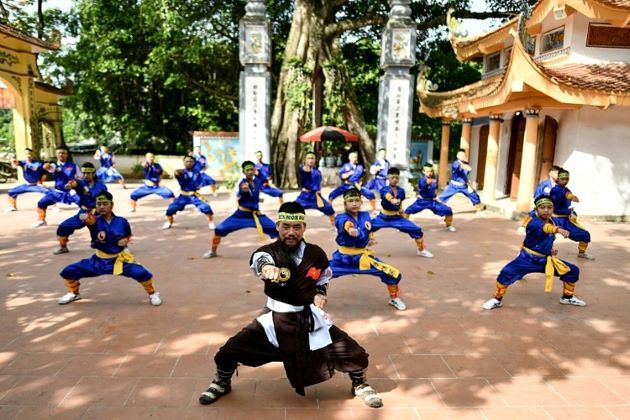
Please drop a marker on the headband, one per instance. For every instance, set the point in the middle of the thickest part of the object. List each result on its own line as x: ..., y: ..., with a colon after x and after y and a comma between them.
x: 352, y: 193
x: 246, y: 167
x: 103, y: 199
x: 291, y: 217
x: 88, y: 170
x: 543, y: 200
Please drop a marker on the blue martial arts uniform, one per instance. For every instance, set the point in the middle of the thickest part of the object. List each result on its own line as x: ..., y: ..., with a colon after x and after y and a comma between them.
x: 105, y: 236
x: 380, y: 178
x: 426, y: 199
x: 390, y: 215
x: 459, y: 184
x: 201, y: 164
x: 107, y: 173
x: 263, y: 175
x: 565, y: 217
x: 544, y: 188
x: 87, y: 201
x: 189, y: 182
x: 533, y: 256
x: 347, y: 259
x: 248, y: 213
x: 152, y: 178
x: 33, y: 172
x: 353, y: 181
x: 310, y: 197
x: 62, y: 174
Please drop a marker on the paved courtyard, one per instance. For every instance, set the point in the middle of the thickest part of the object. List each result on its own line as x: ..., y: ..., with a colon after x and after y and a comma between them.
x: 112, y: 355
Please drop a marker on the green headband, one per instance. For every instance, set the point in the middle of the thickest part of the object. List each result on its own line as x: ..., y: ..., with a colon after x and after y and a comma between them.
x: 351, y: 194
x: 246, y: 167
x: 88, y: 170
x: 543, y: 200
x: 291, y: 217
x: 103, y: 199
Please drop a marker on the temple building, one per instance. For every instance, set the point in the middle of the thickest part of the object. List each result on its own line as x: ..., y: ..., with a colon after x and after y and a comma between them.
x: 35, y: 104
x: 555, y: 90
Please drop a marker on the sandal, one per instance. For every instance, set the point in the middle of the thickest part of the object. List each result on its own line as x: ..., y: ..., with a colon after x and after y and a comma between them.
x: 368, y: 394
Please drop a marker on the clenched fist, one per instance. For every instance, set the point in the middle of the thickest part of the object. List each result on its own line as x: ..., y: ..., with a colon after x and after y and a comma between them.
x: 320, y: 301
x: 270, y: 272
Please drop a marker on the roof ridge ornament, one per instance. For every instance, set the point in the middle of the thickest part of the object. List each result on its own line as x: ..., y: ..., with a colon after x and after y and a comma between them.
x: 455, y: 26
x: 525, y: 14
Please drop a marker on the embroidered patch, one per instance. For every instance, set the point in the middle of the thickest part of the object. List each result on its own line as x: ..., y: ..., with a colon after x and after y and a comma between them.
x: 313, y: 273
x: 368, y: 225
x: 101, y: 236
x: 285, y: 274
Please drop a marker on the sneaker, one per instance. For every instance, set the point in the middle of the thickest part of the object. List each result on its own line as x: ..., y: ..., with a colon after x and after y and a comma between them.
x: 10, y: 209
x: 398, y: 304
x: 424, y: 253
x: 572, y: 301
x: 214, y: 392
x: 39, y: 223
x: 68, y: 298
x: 520, y: 230
x: 61, y: 250
x: 167, y: 225
x: 155, y: 299
x: 492, y: 304
x: 368, y: 394
x: 215, y: 194
x: 211, y: 226
x: 210, y: 254
x: 586, y: 256
x: 451, y: 228
x: 133, y: 210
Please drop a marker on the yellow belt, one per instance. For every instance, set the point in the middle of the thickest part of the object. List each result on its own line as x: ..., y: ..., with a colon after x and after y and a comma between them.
x: 367, y: 260
x: 259, y: 228
x: 121, y: 257
x: 391, y: 212
x: 572, y: 218
x: 552, y: 262
x: 318, y: 197
x: 195, y: 193
x: 149, y: 183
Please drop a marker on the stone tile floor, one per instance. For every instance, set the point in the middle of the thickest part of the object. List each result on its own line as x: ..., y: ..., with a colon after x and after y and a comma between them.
x: 112, y: 355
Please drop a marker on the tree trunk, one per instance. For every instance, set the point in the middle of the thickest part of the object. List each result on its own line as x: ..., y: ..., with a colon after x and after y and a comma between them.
x: 306, y: 51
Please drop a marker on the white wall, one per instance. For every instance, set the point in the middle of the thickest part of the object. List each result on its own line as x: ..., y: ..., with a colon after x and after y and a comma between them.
x: 580, y: 53
x: 504, y: 150
x: 594, y: 145
x: 125, y: 163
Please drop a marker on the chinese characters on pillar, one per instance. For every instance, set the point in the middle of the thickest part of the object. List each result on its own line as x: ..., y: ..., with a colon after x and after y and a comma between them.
x: 398, y: 121
x: 255, y: 109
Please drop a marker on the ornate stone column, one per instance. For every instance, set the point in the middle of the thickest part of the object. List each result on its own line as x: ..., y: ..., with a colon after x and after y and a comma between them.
x: 255, y: 81
x: 528, y: 161
x: 444, y: 143
x: 395, y: 104
x: 464, y: 141
x: 492, y: 157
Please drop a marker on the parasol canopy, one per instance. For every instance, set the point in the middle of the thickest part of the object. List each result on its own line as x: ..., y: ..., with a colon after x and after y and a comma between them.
x: 328, y: 133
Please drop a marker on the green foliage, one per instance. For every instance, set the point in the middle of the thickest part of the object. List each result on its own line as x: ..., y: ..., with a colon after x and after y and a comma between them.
x: 7, y: 138
x: 297, y: 86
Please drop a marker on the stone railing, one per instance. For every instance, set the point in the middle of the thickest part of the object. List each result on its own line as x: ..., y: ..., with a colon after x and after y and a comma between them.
x: 491, y: 73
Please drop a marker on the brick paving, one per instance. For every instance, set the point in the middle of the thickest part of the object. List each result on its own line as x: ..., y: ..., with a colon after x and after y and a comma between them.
x: 112, y: 355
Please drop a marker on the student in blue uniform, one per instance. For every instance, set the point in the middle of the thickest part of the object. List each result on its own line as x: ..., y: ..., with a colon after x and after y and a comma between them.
x: 264, y: 175
x: 201, y: 164
x: 354, y: 235
x: 350, y: 175
x: 565, y: 217
x: 459, y: 182
x: 107, y: 173
x: 189, y: 184
x: 311, y: 182
x: 544, y: 188
x: 380, y: 170
x: 427, y: 187
x: 64, y: 174
x: 88, y: 188
x: 391, y: 216
x: 537, y: 255
x: 248, y: 214
x: 33, y: 172
x: 152, y: 178
x: 110, y: 236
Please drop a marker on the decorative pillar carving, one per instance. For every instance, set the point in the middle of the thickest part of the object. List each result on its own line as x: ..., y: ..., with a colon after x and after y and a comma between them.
x: 398, y: 55
x: 255, y: 80
x: 444, y: 143
x: 492, y: 157
x: 528, y: 161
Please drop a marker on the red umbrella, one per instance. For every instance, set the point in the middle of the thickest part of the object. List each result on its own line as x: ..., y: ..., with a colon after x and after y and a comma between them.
x: 328, y: 133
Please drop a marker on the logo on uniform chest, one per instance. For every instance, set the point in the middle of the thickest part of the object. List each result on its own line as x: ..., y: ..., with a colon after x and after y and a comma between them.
x: 101, y: 236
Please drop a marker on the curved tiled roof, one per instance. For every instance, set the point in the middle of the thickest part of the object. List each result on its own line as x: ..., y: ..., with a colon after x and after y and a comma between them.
x: 15, y: 33
x: 606, y: 77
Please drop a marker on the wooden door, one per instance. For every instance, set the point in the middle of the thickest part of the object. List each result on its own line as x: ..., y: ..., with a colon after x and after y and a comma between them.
x: 515, y: 155
x: 548, y: 149
x: 481, y: 156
